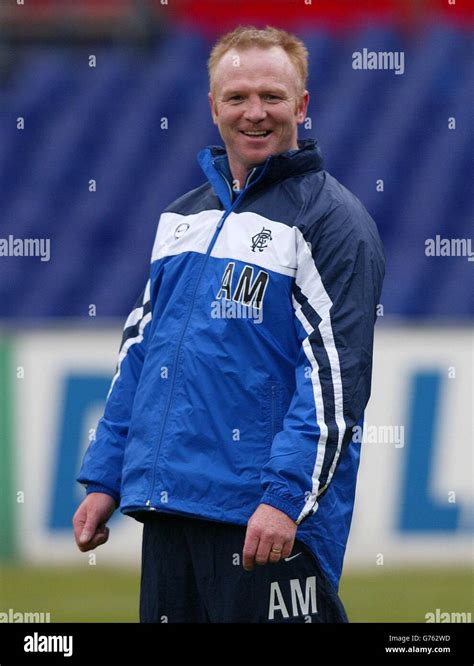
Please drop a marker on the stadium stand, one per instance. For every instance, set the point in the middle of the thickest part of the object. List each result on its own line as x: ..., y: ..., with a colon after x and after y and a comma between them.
x: 105, y: 123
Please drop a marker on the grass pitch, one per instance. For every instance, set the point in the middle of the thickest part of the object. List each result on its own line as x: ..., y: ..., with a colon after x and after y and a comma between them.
x: 103, y: 594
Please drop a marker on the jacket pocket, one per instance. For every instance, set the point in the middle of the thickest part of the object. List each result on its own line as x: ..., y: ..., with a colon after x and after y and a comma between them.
x: 272, y: 409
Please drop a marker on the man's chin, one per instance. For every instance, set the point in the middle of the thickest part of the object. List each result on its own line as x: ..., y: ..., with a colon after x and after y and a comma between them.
x: 257, y: 156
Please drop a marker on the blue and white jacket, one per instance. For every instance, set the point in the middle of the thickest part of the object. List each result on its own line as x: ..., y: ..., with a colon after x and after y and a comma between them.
x: 247, y: 361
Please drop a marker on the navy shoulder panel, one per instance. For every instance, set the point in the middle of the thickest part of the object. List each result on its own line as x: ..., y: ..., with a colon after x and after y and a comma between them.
x: 338, y: 208
x: 311, y: 202
x: 195, y: 201
x: 283, y: 199
x: 344, y: 241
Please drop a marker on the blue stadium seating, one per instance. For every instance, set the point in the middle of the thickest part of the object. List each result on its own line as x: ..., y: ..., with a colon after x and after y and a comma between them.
x: 103, y: 123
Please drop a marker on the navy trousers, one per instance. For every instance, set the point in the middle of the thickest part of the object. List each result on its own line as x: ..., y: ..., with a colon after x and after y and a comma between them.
x: 192, y: 572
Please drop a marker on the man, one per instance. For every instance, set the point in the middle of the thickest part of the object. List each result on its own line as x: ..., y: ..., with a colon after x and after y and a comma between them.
x: 244, y: 367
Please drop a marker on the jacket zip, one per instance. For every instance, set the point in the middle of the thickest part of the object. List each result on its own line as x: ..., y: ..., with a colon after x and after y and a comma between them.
x: 273, y: 415
x: 226, y: 214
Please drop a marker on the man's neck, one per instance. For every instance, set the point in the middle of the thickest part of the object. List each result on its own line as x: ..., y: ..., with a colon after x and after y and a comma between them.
x: 239, y: 176
x: 240, y: 172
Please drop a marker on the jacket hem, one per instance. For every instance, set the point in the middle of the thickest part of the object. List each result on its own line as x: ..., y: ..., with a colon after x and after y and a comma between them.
x: 282, y: 504
x: 98, y: 488
x: 137, y: 508
x: 132, y: 505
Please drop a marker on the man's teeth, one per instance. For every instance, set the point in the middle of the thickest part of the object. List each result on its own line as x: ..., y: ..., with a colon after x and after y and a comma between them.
x: 261, y: 133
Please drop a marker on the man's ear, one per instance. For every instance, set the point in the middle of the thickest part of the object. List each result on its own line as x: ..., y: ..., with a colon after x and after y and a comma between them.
x: 213, y: 107
x: 302, y: 107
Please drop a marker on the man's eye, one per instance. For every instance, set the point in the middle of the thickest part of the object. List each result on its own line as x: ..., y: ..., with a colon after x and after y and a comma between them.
x: 235, y: 98
x: 272, y: 98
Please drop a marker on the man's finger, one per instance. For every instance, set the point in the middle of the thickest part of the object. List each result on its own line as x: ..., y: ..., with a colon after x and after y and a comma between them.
x: 89, y: 529
x: 78, y: 522
x: 287, y: 548
x: 263, y: 552
x: 86, y: 535
x: 99, y: 538
x: 276, y: 553
x: 250, y: 548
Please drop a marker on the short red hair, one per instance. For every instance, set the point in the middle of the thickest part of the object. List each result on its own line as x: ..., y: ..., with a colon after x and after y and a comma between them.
x: 246, y: 37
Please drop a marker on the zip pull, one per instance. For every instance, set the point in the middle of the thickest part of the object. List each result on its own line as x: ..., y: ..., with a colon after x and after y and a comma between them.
x: 249, y: 177
x: 240, y: 195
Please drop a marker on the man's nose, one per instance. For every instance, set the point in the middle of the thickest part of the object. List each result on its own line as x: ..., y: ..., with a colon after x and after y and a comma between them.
x: 255, y: 110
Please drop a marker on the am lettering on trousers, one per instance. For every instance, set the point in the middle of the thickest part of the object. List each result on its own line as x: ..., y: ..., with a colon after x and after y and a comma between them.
x: 301, y: 603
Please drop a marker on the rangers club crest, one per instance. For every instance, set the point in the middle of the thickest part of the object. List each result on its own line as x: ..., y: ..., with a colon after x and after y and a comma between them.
x: 260, y: 240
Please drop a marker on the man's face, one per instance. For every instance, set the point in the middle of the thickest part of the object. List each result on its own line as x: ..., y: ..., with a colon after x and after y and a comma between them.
x: 256, y: 105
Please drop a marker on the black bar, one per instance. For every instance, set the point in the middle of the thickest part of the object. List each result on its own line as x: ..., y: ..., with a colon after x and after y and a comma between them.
x: 316, y: 644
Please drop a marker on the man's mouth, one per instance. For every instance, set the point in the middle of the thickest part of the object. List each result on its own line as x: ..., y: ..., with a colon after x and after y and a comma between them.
x: 257, y: 134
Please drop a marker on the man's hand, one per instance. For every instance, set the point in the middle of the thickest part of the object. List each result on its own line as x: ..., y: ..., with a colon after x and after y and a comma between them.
x: 270, y: 537
x: 90, y: 519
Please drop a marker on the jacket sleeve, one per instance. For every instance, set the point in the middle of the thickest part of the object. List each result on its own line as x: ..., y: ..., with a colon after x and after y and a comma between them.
x: 101, y: 469
x: 340, y: 269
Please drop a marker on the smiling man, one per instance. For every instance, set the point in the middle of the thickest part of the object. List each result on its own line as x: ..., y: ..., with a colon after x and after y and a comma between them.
x: 231, y: 437
x: 257, y: 101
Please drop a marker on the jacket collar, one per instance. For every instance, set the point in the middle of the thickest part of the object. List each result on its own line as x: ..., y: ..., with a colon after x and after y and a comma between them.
x: 213, y: 161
